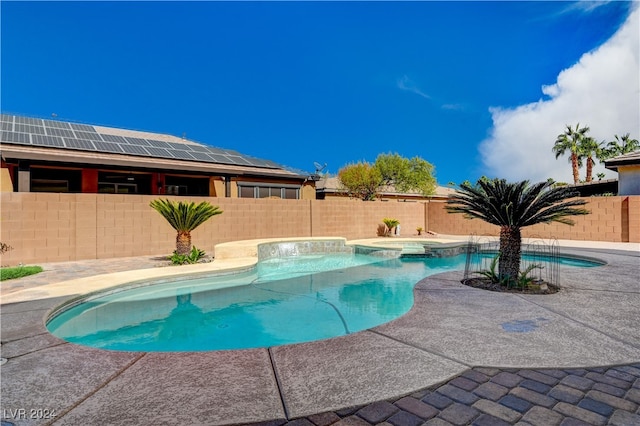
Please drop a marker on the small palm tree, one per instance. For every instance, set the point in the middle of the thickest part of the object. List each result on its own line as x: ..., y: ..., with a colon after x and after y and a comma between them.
x: 570, y: 141
x: 513, y: 206
x: 391, y: 223
x: 184, y: 218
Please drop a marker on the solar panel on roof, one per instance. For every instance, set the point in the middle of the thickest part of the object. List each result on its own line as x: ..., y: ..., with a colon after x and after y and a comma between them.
x: 134, y: 149
x: 197, y: 148
x: 114, y: 138
x: 47, y: 141
x: 159, y: 152
x: 137, y: 141
x: 83, y: 128
x: 27, y: 120
x: 173, y: 145
x: 79, y: 144
x: 14, y: 137
x: 239, y: 160
x: 158, y: 144
x: 31, y: 131
x: 213, y: 150
x: 56, y: 124
x: 220, y: 159
x: 201, y: 156
x: 27, y: 128
x: 51, y: 131
x: 88, y: 135
x: 181, y: 154
x: 107, y: 147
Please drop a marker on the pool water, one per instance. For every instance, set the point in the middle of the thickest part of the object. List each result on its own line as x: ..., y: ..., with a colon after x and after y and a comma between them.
x: 287, y: 300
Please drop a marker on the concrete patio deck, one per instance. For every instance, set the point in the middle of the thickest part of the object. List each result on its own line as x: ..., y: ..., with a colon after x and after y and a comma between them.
x: 396, y: 372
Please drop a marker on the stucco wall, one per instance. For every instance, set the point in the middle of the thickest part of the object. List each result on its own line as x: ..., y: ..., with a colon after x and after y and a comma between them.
x: 629, y: 180
x: 45, y: 227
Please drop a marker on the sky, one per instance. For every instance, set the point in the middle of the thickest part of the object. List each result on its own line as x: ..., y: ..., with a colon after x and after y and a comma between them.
x: 475, y: 88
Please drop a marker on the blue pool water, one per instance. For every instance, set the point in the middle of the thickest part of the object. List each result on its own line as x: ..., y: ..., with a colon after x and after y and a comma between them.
x: 286, y: 300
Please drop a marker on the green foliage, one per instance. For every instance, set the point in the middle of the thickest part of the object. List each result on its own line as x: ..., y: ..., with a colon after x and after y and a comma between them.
x: 515, y: 204
x: 18, y: 272
x: 365, y: 180
x: 512, y: 206
x: 524, y: 280
x: 620, y: 146
x: 184, y: 216
x: 491, y: 273
x: 193, y: 257
x: 361, y: 180
x: 404, y: 174
x: 570, y: 141
x: 390, y: 223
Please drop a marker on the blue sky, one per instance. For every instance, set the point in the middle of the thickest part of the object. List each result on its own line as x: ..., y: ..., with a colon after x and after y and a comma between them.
x: 464, y: 85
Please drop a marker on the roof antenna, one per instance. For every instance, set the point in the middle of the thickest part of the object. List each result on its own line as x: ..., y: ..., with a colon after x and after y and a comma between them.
x: 184, y: 136
x: 319, y: 167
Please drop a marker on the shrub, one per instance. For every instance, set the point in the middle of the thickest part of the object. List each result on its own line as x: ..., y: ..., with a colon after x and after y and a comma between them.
x: 18, y: 272
x: 193, y: 257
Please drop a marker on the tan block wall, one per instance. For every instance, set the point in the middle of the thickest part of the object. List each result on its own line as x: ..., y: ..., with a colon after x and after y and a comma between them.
x: 354, y: 219
x: 59, y: 227
x: 615, y: 219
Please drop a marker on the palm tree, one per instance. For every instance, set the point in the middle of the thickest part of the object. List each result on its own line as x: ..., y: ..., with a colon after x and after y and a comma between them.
x: 184, y: 218
x: 590, y: 148
x: 513, y: 206
x: 621, y: 145
x: 570, y: 141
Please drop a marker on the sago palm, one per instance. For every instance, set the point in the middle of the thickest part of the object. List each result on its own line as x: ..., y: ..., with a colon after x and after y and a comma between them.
x: 513, y: 206
x: 184, y: 218
x: 570, y: 141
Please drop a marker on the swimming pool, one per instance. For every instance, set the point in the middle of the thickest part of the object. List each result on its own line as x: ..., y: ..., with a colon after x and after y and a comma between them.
x: 285, y: 300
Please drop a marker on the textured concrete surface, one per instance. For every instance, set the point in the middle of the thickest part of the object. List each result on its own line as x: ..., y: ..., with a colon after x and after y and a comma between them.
x: 460, y: 356
x: 352, y: 370
x: 193, y: 388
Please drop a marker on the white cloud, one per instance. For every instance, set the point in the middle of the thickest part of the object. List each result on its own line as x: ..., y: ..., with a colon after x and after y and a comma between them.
x: 405, y: 83
x: 601, y: 91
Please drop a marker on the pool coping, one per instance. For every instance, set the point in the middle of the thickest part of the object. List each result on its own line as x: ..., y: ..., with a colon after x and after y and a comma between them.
x: 314, y: 377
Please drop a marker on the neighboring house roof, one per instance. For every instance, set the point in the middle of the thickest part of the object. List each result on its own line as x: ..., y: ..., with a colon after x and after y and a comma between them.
x: 53, y: 140
x: 331, y: 185
x: 631, y: 159
x: 595, y: 187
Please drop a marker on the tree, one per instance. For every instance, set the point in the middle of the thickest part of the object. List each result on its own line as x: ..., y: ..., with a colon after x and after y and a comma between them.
x: 513, y: 206
x: 570, y: 141
x: 590, y: 148
x: 620, y: 146
x: 390, y: 223
x: 361, y: 180
x: 365, y: 180
x: 184, y: 218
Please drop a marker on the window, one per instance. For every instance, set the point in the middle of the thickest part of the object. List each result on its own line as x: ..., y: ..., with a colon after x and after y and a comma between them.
x: 181, y: 185
x: 265, y: 190
x: 44, y: 179
x: 110, y: 182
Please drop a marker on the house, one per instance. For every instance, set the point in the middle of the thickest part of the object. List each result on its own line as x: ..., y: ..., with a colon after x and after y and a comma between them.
x: 328, y: 187
x: 628, y: 168
x: 41, y: 155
